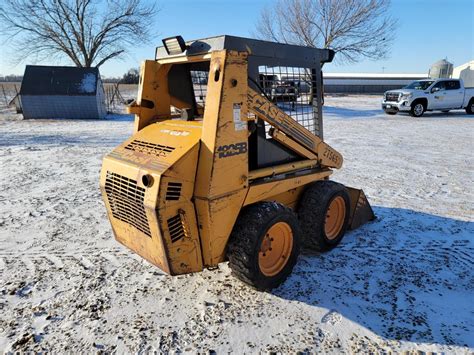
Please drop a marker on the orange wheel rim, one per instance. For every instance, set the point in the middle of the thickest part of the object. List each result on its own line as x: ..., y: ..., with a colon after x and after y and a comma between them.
x: 335, y: 217
x: 275, y: 249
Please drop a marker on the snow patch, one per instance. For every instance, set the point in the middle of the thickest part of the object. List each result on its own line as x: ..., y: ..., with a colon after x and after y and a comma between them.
x: 401, y: 283
x: 88, y: 84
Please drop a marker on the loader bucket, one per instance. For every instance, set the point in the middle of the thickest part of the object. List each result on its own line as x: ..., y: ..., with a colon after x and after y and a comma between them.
x: 361, y: 212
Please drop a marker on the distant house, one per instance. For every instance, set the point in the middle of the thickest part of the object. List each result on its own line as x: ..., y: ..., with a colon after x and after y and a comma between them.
x: 62, y: 92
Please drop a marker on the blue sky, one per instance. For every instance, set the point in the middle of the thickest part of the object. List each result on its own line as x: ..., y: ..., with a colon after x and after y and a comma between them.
x: 428, y: 30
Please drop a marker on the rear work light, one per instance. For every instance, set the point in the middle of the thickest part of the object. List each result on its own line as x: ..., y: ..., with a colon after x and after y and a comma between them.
x: 174, y: 45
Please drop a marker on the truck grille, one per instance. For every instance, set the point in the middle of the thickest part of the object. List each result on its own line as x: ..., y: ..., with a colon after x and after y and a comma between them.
x: 149, y: 148
x: 126, y: 200
x: 392, y: 96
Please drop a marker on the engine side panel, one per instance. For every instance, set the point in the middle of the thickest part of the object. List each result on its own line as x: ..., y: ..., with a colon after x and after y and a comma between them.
x: 147, y: 184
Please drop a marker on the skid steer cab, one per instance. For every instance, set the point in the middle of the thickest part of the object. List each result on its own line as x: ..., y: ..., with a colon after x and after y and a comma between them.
x: 228, y: 162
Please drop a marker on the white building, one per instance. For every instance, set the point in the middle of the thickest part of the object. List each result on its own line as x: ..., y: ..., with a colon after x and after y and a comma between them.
x: 367, y: 83
x: 466, y: 73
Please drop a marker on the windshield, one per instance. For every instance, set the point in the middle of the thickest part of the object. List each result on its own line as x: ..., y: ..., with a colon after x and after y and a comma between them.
x: 420, y: 85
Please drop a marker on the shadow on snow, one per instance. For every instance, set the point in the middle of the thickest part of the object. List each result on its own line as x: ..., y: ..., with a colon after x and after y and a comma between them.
x: 406, y: 276
x: 346, y: 113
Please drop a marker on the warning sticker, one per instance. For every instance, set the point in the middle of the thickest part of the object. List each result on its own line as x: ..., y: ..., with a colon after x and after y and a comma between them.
x: 238, y: 123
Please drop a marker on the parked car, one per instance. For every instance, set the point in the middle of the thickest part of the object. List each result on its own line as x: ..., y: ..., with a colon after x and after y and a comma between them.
x: 284, y: 91
x: 277, y: 90
x: 429, y: 95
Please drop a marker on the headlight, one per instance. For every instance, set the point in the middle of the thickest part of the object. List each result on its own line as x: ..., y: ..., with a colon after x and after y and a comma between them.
x: 407, y: 96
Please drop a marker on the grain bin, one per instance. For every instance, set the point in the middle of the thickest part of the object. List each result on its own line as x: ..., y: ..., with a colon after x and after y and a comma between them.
x: 441, y: 69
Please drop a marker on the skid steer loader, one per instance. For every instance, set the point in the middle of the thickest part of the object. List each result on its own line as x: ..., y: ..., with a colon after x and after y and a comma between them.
x: 216, y: 170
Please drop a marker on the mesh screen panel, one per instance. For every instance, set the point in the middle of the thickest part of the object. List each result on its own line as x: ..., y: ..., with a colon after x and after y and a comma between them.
x: 199, y: 79
x: 293, y: 90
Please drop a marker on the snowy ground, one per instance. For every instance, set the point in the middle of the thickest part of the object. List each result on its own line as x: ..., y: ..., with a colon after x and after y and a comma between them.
x: 403, y: 282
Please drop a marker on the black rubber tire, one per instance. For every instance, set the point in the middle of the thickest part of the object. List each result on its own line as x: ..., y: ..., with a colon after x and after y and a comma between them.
x: 391, y: 112
x: 246, y: 237
x: 312, y: 212
x: 414, y: 112
x: 470, y: 107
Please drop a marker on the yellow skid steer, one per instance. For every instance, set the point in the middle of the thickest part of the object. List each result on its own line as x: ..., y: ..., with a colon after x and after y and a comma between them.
x: 228, y: 161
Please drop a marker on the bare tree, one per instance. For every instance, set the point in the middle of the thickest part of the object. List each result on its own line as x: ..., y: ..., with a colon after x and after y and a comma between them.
x: 131, y: 77
x: 355, y: 29
x: 88, y: 32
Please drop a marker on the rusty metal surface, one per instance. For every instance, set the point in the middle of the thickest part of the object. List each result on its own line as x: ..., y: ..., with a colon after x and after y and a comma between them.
x: 361, y: 211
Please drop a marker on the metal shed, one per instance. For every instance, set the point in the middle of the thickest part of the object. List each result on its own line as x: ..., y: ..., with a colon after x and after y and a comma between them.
x: 62, y: 92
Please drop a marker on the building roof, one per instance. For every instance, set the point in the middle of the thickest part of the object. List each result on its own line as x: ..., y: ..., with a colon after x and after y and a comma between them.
x: 51, y: 80
x: 374, y: 76
x: 465, y: 65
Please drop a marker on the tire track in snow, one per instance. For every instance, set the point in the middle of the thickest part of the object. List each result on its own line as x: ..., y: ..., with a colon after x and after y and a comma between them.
x: 29, y: 264
x: 55, y: 260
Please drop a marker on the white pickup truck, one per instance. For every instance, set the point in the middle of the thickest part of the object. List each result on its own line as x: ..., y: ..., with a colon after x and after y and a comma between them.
x: 429, y: 95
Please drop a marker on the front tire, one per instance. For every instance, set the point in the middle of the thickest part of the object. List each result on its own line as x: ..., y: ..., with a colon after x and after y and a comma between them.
x: 264, y: 245
x: 470, y: 107
x: 323, y: 212
x: 417, y: 109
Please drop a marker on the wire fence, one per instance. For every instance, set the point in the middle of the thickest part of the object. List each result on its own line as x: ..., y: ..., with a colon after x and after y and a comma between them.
x: 10, y: 96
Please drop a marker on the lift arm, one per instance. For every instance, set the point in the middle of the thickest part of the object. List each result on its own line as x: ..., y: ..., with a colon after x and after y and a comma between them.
x: 290, y: 131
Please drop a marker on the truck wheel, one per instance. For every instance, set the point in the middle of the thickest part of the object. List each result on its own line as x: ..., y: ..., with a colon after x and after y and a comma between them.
x: 324, y: 212
x: 470, y: 107
x: 264, y: 245
x: 417, y: 109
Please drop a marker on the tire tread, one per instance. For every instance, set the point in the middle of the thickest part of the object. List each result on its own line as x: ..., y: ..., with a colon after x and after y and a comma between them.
x: 245, y: 239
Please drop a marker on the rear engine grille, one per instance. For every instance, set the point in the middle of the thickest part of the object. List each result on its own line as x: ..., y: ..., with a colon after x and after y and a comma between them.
x: 176, y: 228
x: 149, y: 148
x: 174, y: 191
x: 392, y: 96
x: 126, y: 201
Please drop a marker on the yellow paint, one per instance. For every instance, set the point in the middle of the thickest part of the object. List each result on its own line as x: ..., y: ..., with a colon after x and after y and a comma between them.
x: 283, y: 168
x: 222, y: 175
x: 174, y: 190
x: 272, y: 114
x: 266, y: 190
x: 176, y: 163
x: 292, y: 144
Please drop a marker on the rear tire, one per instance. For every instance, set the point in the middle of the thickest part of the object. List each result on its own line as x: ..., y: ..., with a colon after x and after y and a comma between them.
x: 417, y: 109
x: 470, y: 107
x: 264, y: 245
x: 324, y: 212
